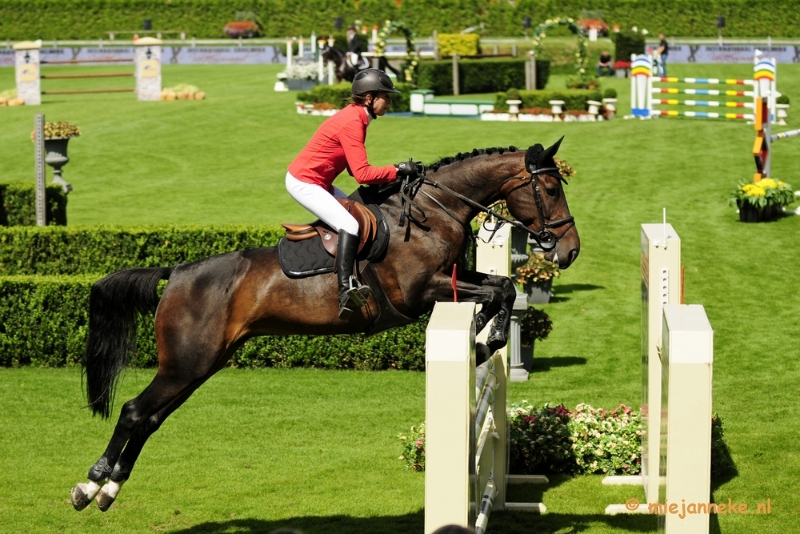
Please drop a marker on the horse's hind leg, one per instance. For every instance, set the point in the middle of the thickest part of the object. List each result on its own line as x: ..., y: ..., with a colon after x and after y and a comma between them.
x: 139, y: 418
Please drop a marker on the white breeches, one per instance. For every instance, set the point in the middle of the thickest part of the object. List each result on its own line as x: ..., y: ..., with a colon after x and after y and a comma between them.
x: 318, y: 201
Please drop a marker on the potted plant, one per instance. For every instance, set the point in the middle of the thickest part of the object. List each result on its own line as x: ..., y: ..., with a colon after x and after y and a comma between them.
x: 300, y: 76
x: 534, y: 324
x: 609, y: 103
x: 622, y: 69
x: 536, y: 277
x: 56, y: 137
x: 763, y: 200
x: 781, y: 109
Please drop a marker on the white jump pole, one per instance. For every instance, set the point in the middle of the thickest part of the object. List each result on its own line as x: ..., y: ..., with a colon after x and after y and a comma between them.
x: 288, y: 53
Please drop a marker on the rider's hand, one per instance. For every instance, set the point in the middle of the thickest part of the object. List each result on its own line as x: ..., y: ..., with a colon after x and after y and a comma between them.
x: 406, y: 169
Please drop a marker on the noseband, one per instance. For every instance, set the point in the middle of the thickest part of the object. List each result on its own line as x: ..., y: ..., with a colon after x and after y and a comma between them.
x: 543, y: 236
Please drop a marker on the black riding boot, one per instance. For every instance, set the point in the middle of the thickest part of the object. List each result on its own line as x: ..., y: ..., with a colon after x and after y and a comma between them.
x: 352, y: 295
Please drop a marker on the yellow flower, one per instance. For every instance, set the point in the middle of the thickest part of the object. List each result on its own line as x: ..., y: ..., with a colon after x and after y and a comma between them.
x: 768, y: 182
x: 753, y: 190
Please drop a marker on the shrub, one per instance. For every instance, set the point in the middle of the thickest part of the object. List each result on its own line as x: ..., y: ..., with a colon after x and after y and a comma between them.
x: 18, y: 205
x: 43, y: 322
x: 628, y: 43
x: 478, y: 75
x: 457, y: 43
x: 414, y: 448
x: 610, y: 93
x: 55, y: 250
x: 782, y: 99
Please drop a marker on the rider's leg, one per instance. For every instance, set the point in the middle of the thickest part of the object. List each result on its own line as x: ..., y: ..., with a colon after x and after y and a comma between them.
x: 322, y: 204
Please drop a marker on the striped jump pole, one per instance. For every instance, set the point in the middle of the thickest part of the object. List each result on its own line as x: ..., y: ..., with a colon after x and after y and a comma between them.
x: 643, y: 91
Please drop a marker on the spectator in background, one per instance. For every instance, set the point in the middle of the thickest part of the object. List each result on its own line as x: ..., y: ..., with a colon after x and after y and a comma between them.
x: 605, y: 62
x: 662, y: 52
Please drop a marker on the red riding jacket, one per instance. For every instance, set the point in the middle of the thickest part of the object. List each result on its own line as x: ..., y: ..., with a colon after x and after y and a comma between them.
x: 337, y: 145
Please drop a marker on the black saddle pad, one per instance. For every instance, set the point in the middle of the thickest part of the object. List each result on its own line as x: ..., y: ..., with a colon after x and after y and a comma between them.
x: 300, y: 259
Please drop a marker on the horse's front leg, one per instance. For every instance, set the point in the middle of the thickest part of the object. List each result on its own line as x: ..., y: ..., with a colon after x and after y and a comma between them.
x: 495, y: 294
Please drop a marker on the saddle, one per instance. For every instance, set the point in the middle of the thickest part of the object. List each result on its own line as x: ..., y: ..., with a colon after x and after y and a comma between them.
x: 367, y: 228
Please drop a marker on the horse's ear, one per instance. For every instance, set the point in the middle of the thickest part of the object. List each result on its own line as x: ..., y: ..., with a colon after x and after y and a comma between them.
x: 532, y: 157
x: 552, y: 151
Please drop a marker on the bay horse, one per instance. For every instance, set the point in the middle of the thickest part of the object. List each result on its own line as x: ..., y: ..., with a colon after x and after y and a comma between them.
x: 210, y: 307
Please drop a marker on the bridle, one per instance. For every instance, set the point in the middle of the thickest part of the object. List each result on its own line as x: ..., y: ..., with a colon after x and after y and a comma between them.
x: 546, y: 239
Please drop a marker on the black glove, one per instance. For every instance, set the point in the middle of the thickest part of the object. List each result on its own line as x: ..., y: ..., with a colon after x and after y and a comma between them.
x: 407, y: 169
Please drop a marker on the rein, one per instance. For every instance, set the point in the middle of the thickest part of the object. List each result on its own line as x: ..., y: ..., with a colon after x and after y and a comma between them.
x: 543, y: 237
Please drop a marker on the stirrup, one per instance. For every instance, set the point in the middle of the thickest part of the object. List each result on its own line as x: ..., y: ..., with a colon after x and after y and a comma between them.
x: 358, y: 293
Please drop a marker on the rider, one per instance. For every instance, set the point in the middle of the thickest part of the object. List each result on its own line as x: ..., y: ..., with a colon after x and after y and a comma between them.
x: 354, y: 47
x: 337, y: 145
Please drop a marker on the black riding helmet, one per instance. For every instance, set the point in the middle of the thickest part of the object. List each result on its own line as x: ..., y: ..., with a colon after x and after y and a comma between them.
x: 372, y: 81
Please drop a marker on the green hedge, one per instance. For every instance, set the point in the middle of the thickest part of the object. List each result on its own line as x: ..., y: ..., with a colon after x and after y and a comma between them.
x: 628, y: 43
x: 58, y: 250
x: 43, y: 322
x: 573, y: 99
x: 18, y: 204
x: 87, y: 19
x: 479, y: 75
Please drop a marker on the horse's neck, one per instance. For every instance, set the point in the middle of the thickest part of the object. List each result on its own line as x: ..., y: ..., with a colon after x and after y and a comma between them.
x: 479, y: 179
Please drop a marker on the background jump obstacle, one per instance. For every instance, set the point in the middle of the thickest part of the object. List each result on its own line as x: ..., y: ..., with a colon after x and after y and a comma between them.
x: 147, y: 71
x: 764, y: 139
x: 762, y: 85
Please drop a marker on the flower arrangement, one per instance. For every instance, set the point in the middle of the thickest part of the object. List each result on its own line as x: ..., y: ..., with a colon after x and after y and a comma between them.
x: 622, y: 65
x: 535, y: 324
x: 410, y: 65
x: 583, y: 441
x: 593, y: 24
x: 762, y: 200
x: 414, y: 448
x: 242, y: 28
x: 58, y: 130
x: 537, y: 269
x: 300, y: 71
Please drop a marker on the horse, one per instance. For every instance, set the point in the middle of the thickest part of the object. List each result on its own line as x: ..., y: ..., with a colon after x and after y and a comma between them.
x: 344, y: 70
x: 210, y: 307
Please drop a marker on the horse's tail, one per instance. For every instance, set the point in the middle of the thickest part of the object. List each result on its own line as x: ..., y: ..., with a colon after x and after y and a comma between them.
x: 114, y: 303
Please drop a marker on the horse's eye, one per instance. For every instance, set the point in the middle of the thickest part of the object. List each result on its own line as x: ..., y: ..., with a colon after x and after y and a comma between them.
x: 552, y: 191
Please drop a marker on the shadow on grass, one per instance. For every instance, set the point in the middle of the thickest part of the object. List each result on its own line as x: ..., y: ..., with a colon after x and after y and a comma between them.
x: 552, y: 523
x: 545, y: 364
x: 566, y: 289
x: 315, y: 525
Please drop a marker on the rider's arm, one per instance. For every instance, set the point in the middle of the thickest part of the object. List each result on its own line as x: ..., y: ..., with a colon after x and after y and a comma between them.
x: 352, y: 138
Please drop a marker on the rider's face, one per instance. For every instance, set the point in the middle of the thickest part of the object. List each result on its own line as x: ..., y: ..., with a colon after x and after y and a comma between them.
x: 381, y: 103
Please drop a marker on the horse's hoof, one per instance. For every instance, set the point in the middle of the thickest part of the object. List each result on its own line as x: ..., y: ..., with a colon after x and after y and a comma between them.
x: 108, y: 495
x: 83, y: 494
x: 104, y: 501
x: 482, y: 353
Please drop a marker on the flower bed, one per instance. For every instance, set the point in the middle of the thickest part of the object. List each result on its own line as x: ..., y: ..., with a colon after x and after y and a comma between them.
x: 241, y: 28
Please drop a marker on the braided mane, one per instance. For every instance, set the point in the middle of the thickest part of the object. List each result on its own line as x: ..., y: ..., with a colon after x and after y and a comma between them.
x: 461, y: 156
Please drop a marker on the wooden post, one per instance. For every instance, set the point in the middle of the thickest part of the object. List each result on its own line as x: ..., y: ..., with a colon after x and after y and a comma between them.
x: 455, y: 75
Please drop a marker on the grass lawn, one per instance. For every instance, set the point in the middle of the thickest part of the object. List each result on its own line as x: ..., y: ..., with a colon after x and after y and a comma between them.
x: 321, y: 446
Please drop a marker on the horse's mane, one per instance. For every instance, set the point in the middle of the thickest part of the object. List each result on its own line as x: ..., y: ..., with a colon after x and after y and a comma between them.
x: 461, y: 156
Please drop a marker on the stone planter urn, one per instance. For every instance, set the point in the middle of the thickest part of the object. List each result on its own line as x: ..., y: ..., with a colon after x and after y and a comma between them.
x: 557, y: 108
x: 610, y: 105
x: 539, y: 292
x: 300, y: 85
x: 513, y: 109
x: 594, y: 109
x: 621, y: 73
x: 55, y: 150
x: 781, y: 111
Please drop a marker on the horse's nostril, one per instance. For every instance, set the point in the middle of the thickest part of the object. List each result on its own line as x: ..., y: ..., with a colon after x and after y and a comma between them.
x: 573, y: 255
